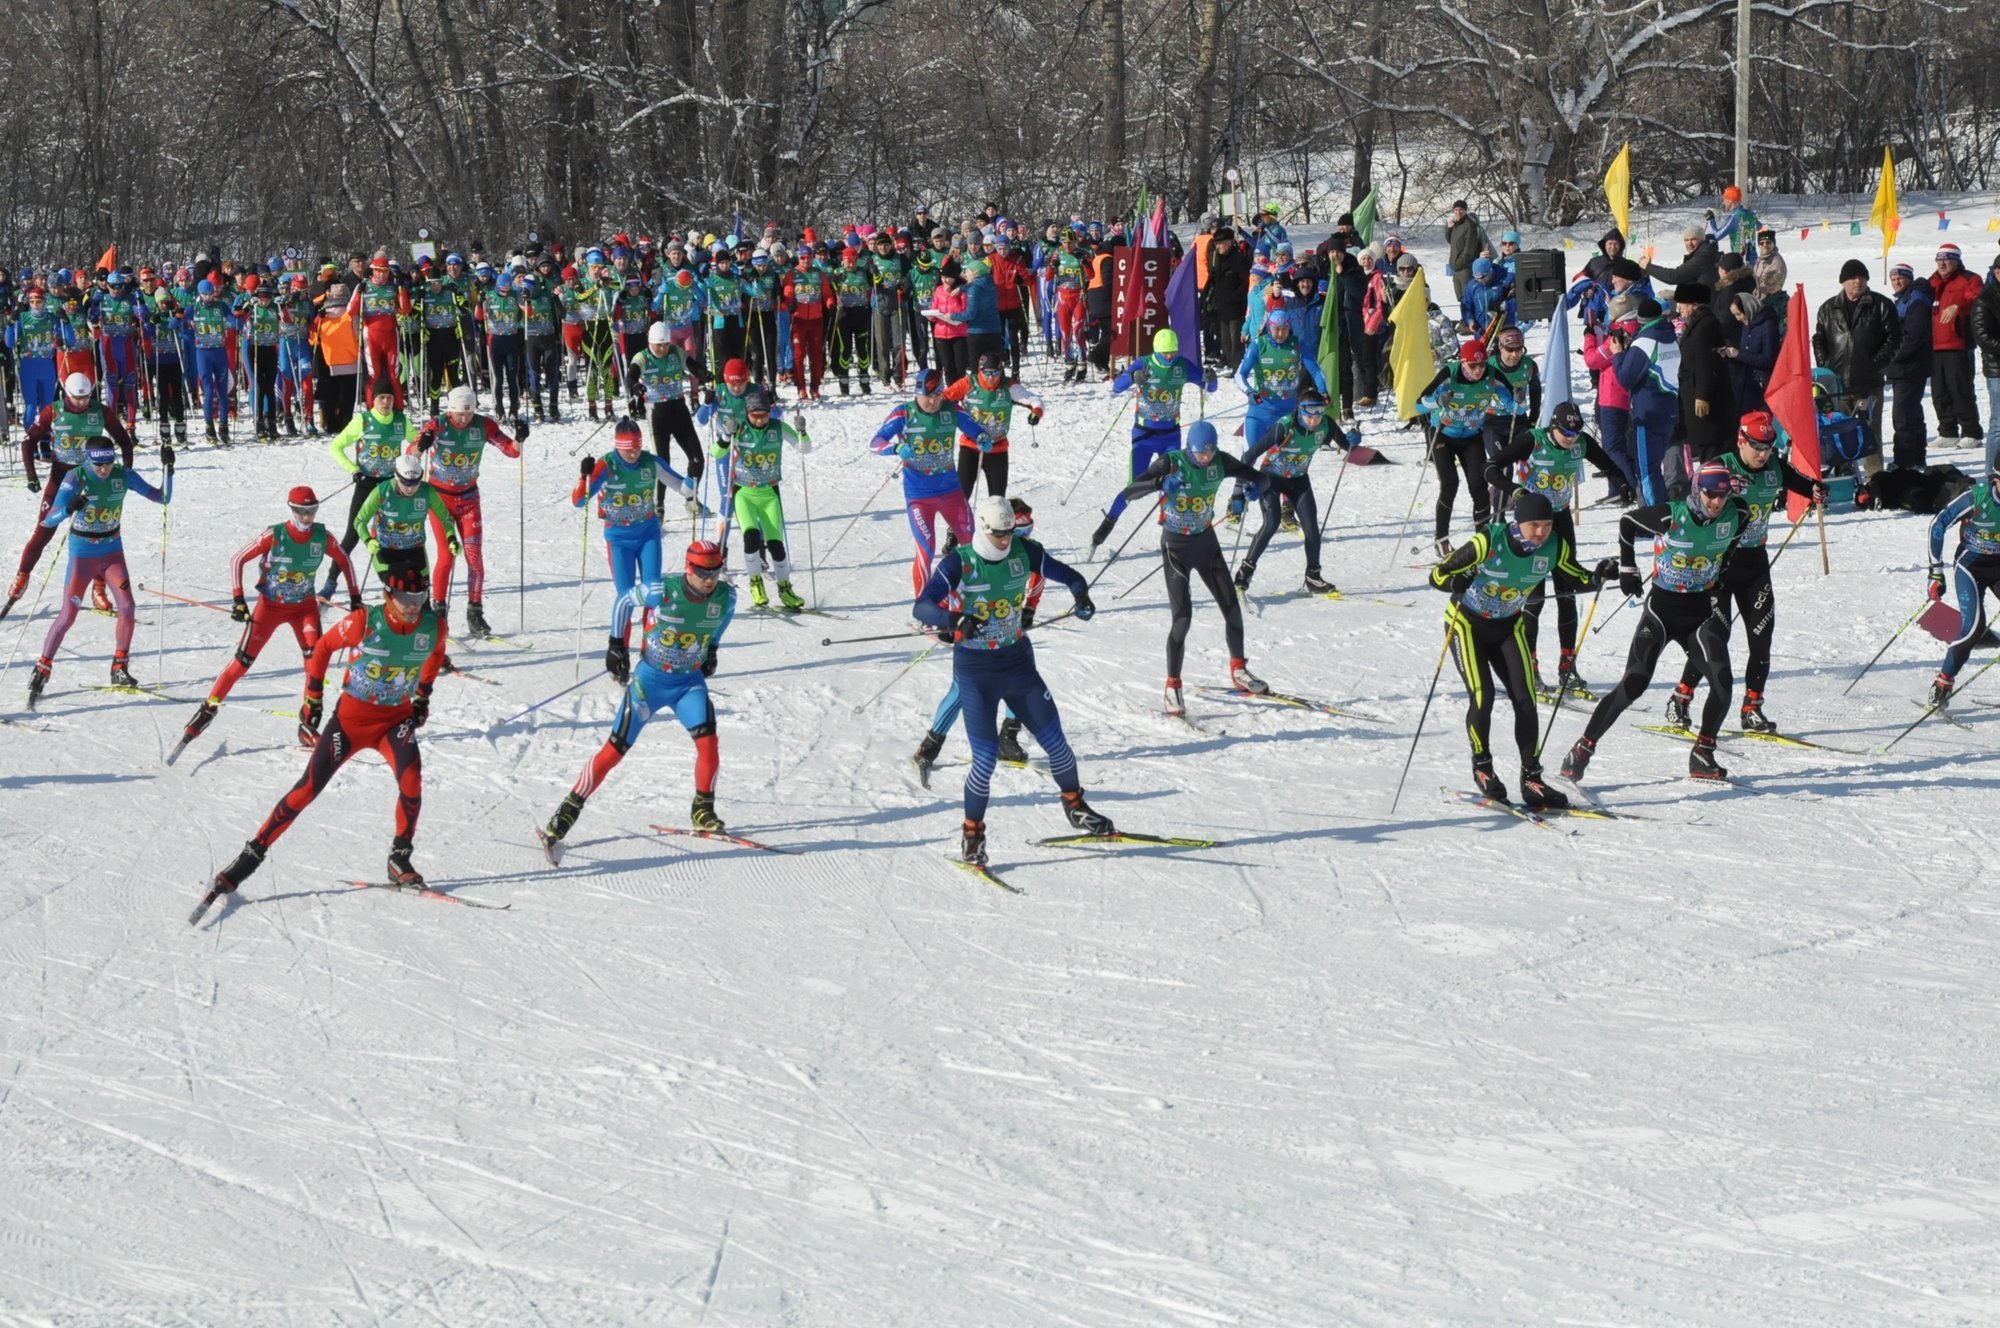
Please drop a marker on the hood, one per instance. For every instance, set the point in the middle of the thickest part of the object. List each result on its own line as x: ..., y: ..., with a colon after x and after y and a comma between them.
x: 1614, y: 234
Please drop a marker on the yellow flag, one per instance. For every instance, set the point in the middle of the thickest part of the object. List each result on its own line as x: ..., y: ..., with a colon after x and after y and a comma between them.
x: 1618, y: 188
x: 1410, y: 346
x: 1883, y: 215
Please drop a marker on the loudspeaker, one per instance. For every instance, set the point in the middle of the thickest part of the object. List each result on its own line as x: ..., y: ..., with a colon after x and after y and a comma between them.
x: 1538, y: 282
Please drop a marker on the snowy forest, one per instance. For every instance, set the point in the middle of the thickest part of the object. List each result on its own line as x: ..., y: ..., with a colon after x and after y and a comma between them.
x: 266, y: 122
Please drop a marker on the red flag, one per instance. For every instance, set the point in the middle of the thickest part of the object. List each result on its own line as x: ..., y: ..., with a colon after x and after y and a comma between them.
x: 1790, y: 397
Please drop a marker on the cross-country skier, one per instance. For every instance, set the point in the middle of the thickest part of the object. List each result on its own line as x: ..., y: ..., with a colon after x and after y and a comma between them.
x: 393, y: 519
x: 1975, y: 569
x: 989, y: 396
x: 659, y: 378
x: 1157, y: 380
x: 456, y: 442
x: 60, y: 435
x: 625, y: 482
x: 919, y: 434
x: 1457, y: 406
x: 1269, y: 376
x: 1288, y: 450
x: 752, y: 465
x: 946, y: 715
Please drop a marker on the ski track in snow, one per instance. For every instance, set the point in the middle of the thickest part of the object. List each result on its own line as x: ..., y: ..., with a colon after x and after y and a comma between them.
x: 1731, y: 1064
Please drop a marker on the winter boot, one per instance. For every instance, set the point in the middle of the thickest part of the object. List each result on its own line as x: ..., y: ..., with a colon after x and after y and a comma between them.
x: 1701, y: 761
x: 1538, y: 794
x: 702, y: 815
x: 1489, y: 784
x: 1244, y: 572
x: 926, y: 755
x: 758, y: 595
x: 1578, y: 759
x: 1752, y: 714
x: 1011, y: 750
x: 120, y: 675
x: 864, y: 387
x: 1083, y: 818
x: 37, y: 679
x: 1243, y: 680
x: 242, y: 869
x: 1317, y: 584
x: 475, y: 621
x: 1175, y: 705
x: 401, y: 872
x: 789, y: 597
x: 202, y: 717
x: 1677, y: 706
x: 972, y: 843
x: 1941, y: 689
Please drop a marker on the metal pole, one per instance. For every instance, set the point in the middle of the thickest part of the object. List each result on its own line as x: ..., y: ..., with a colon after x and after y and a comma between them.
x: 1743, y: 95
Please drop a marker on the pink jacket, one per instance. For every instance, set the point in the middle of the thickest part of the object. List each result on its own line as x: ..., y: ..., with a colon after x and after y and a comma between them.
x: 1598, y: 357
x: 948, y: 301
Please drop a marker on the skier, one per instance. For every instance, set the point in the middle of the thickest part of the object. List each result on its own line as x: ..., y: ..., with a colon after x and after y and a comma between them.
x: 119, y: 320
x: 1158, y: 379
x: 1065, y: 273
x: 294, y: 358
x: 1188, y: 479
x: 1288, y: 451
x: 679, y: 636
x: 60, y: 434
x: 33, y: 338
x: 976, y: 596
x: 1457, y: 405
x: 456, y: 443
x: 1269, y: 376
x: 752, y: 465
x: 163, y: 317
x: 367, y: 449
x: 1747, y: 580
x: 212, y: 324
x: 287, y: 556
x: 1550, y: 462
x: 1489, y: 578
x: 92, y: 499
x: 506, y: 343
x: 384, y: 699
x: 541, y: 316
x: 1694, y: 538
x: 989, y: 396
x: 262, y: 325
x: 444, y: 347
x: 850, y: 324
x: 658, y: 379
x: 919, y: 435
x: 625, y: 481
x: 376, y: 304
x: 393, y: 518
x: 1975, y: 569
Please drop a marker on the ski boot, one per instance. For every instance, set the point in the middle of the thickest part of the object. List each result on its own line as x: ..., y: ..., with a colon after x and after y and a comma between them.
x: 702, y: 815
x: 209, y: 429
x: 1101, y: 534
x: 1541, y: 691
x: 14, y: 592
x: 1317, y: 584
x: 1568, y: 681
x: 593, y: 408
x: 99, y: 600
x: 864, y: 387
x: 242, y: 869
x: 291, y: 425
x: 1084, y: 818
x: 552, y: 834
x: 181, y: 432
x: 1243, y: 680
x: 222, y: 433
x: 1752, y: 714
x: 120, y: 675
x: 38, y: 678
x: 475, y: 621
x: 972, y: 843
x: 1175, y: 705
x: 758, y: 595
x: 1677, y: 707
x: 789, y: 598
x: 1578, y: 759
x: 1701, y: 761
x: 1941, y: 689
x: 1244, y: 572
x: 1011, y: 750
x: 926, y: 755
x: 844, y: 389
x: 202, y: 717
x: 401, y: 872
x: 1538, y: 793
x: 1489, y: 784
x: 1288, y: 520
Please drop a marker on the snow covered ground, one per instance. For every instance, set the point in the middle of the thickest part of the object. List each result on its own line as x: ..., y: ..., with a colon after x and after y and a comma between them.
x: 1730, y: 1064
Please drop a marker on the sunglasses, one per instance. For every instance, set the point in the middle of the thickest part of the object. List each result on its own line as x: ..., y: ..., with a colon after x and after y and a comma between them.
x: 408, y: 599
x: 703, y: 573
x: 305, y: 510
x: 1761, y: 444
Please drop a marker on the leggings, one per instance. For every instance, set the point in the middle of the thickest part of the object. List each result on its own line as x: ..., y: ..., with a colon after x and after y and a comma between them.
x: 924, y: 515
x: 444, y: 359
x: 392, y: 731
x: 212, y: 363
x: 84, y: 568
x: 651, y: 691
x: 509, y: 368
x: 1299, y: 489
x: 1187, y: 556
x: 265, y: 360
x: 971, y: 461
x: 464, y: 508
x: 670, y: 419
x: 364, y: 484
x: 1972, y: 576
x: 379, y: 336
x: 38, y: 386
x: 265, y: 620
x: 1478, y: 645
x: 1746, y: 583
x: 634, y: 555
x: 851, y: 344
x: 808, y: 354
x: 1691, y: 621
x: 173, y: 396
x: 760, y: 511
x: 1148, y: 441
x: 545, y: 355
x: 121, y: 376
x: 1564, y: 532
x: 986, y: 679
x: 1449, y: 456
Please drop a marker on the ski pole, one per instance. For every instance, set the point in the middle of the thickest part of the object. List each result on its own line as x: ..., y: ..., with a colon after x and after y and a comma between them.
x: 865, y: 640
x: 1562, y: 691
x: 920, y: 657
x: 1402, y: 531
x: 1886, y: 644
x: 1095, y: 450
x: 521, y: 548
x: 805, y: 493
x: 587, y: 437
x: 544, y: 701
x: 1786, y: 543
x: 1435, y: 675
x: 33, y: 609
x: 864, y: 510
x: 160, y: 650
x: 1933, y: 709
x: 1128, y: 539
x: 1621, y: 604
x: 182, y: 599
x: 1140, y: 582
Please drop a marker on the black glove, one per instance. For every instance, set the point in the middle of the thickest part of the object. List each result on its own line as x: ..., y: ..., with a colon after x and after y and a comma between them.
x: 522, y: 427
x: 636, y: 407
x: 1606, y: 569
x: 420, y: 706
x: 708, y: 662
x: 708, y: 396
x: 167, y: 457
x: 586, y: 466
x: 1629, y: 583
x: 1027, y: 617
x: 427, y: 436
x: 963, y: 627
x: 76, y: 501
x: 34, y: 485
x: 238, y: 610
x: 353, y: 601
x: 309, y: 714
x: 618, y: 660
x: 1085, y: 610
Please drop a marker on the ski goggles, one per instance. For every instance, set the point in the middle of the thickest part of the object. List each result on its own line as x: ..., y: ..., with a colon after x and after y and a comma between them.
x: 304, y: 511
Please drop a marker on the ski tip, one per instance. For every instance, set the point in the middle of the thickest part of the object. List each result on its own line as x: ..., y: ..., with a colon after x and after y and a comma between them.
x: 194, y: 918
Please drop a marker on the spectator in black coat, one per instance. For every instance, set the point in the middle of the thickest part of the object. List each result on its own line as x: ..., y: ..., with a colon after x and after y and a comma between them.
x: 1708, y: 406
x: 1986, y: 336
x: 1910, y: 369
x: 1698, y: 268
x: 1856, y: 334
x: 1755, y: 353
x: 1225, y: 301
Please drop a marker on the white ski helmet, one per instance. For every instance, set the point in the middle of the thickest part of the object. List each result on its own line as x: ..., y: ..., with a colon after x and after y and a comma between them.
x: 995, y: 515
x: 77, y: 385
x: 656, y: 335
x: 409, y: 466
x: 460, y: 399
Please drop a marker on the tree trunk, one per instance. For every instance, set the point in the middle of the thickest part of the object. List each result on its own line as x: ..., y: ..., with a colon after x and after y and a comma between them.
x: 1364, y: 128
x: 1201, y: 155
x: 1115, y: 201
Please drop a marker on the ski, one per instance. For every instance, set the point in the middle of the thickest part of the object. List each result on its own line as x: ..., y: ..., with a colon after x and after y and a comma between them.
x: 1519, y: 813
x: 552, y: 848
x: 1182, y: 718
x: 1285, y: 699
x: 984, y: 873
x: 1548, y: 696
x: 1747, y: 735
x: 127, y: 691
x: 1361, y: 599
x: 453, y: 671
x: 1942, y: 713
x: 1117, y: 837
x: 427, y: 893
x: 722, y: 836
x: 179, y: 747
x: 207, y: 899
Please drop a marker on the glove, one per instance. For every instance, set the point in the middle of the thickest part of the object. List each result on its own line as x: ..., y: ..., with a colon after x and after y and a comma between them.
x: 1348, y: 441
x: 427, y: 435
x: 420, y: 706
x: 238, y: 610
x: 1629, y: 583
x: 454, y: 546
x: 707, y: 411
x: 354, y: 601
x: 708, y: 395
x: 1708, y: 215
x: 636, y: 406
x: 1936, y: 589
x: 1085, y: 609
x: 1027, y: 617
x: 34, y: 485
x: 1606, y: 569
x: 708, y: 662
x: 963, y: 627
x: 1252, y: 492
x: 76, y: 501
x: 586, y: 466
x: 167, y: 457
x: 1171, y: 484
x: 522, y: 427
x: 618, y: 660
x: 805, y: 444
x: 1034, y: 415
x: 1701, y: 408
x: 309, y: 714
x: 1208, y: 383
x: 1819, y: 493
